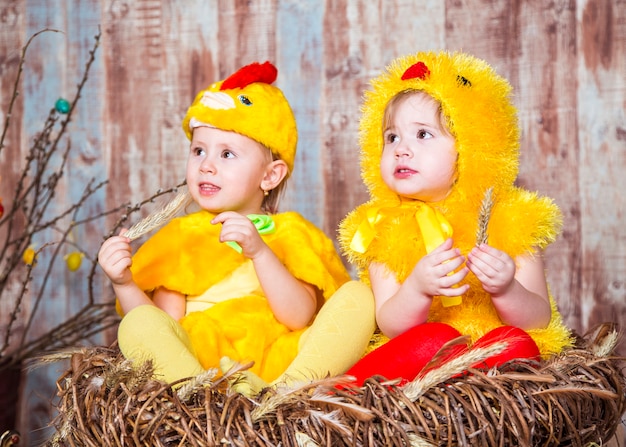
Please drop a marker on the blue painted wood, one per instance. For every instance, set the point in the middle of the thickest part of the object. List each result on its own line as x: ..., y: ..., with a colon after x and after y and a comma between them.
x: 53, y: 70
x: 300, y: 63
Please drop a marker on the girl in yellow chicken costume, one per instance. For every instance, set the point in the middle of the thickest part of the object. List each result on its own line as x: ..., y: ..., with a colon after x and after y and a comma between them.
x: 395, y: 232
x: 227, y: 317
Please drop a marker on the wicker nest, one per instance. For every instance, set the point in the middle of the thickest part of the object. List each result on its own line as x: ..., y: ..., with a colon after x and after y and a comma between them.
x: 576, y: 398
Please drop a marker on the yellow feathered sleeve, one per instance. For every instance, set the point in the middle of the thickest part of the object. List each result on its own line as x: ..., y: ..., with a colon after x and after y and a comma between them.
x: 186, y: 255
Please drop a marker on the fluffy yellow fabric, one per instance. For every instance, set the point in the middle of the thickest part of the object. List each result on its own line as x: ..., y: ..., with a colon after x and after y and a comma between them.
x: 186, y: 256
x: 480, y: 116
x: 258, y: 111
x: 477, y: 107
x: 243, y: 329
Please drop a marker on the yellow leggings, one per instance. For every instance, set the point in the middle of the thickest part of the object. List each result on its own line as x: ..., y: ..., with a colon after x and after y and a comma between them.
x: 335, y: 341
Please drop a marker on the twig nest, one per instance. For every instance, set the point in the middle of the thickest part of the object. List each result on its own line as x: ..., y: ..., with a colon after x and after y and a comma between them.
x: 574, y: 399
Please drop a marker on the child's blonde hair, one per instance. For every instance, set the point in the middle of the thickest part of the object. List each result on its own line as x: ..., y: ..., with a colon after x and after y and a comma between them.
x: 401, y: 97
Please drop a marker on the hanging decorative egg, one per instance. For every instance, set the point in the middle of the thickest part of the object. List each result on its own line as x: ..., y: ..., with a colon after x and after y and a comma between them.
x: 62, y: 106
x: 74, y: 260
x: 1, y: 209
x: 29, y: 255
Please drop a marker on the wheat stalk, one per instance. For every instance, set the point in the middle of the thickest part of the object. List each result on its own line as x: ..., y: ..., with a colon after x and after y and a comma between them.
x: 188, y: 388
x: 413, y: 390
x: 483, y: 217
x: 164, y: 215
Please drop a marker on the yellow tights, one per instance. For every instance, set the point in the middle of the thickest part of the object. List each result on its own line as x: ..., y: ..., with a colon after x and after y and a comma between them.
x: 148, y: 333
x: 335, y: 341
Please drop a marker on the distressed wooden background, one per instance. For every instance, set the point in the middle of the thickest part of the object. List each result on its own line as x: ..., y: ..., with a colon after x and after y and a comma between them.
x: 565, y: 58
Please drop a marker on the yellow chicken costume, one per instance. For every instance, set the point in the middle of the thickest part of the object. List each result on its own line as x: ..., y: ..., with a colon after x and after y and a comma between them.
x: 227, y: 314
x: 480, y: 115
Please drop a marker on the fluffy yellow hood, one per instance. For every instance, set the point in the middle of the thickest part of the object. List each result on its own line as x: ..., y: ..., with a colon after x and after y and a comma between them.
x: 479, y: 112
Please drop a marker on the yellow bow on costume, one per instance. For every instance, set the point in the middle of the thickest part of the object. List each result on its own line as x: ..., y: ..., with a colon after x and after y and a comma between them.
x: 433, y: 225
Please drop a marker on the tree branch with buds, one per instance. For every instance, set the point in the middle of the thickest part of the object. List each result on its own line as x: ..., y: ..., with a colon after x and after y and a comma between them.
x: 28, y: 275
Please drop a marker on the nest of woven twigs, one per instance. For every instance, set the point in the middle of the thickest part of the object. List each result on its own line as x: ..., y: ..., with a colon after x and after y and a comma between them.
x: 576, y: 398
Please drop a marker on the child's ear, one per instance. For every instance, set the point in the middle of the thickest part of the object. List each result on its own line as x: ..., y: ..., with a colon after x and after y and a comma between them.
x: 274, y: 175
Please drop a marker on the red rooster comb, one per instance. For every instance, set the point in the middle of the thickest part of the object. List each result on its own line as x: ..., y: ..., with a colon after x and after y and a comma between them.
x: 418, y: 70
x: 255, y: 72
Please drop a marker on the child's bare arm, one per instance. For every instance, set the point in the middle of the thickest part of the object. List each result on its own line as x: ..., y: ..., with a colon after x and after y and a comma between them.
x: 174, y: 303
x: 395, y: 313
x: 400, y: 307
x: 292, y: 301
x: 517, y: 287
x: 115, y: 258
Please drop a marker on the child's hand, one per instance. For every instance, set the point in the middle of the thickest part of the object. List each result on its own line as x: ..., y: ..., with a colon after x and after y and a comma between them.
x: 115, y: 258
x: 494, y: 268
x: 435, y: 273
x: 238, y: 228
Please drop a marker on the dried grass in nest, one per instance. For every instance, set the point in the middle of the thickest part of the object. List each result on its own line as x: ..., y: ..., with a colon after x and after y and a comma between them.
x: 576, y: 399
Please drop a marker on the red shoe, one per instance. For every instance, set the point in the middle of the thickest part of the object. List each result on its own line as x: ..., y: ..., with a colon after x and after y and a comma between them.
x: 406, y: 355
x: 519, y: 346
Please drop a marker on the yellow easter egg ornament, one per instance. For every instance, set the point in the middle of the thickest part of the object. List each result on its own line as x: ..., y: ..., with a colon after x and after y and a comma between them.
x: 29, y: 255
x: 74, y: 260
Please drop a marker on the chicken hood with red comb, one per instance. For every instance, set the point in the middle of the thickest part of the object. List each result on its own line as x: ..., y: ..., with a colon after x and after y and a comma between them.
x: 247, y: 103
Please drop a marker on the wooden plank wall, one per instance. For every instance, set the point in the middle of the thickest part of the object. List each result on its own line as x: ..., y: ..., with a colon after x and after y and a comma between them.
x: 566, y: 60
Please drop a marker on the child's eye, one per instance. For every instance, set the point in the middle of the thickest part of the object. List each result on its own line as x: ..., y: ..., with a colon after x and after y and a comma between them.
x: 391, y: 138
x: 197, y: 151
x: 423, y: 134
x: 228, y: 154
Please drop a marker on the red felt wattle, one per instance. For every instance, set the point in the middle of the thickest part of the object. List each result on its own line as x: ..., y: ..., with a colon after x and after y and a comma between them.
x: 254, y: 72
